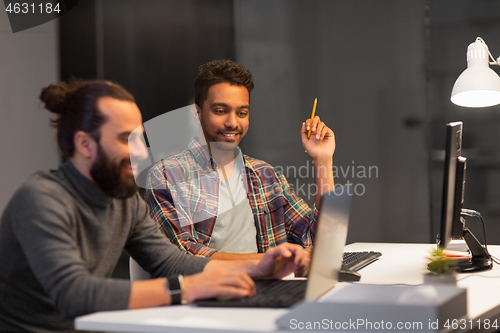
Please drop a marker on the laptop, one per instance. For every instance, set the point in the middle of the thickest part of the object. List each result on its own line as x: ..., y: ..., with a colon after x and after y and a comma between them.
x: 326, y: 262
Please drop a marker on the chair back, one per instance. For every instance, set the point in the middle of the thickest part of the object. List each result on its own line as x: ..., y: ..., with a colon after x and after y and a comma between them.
x: 136, y: 271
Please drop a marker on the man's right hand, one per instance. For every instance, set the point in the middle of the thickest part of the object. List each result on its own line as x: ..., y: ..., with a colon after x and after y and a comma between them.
x: 277, y: 262
x: 217, y: 283
x: 280, y: 261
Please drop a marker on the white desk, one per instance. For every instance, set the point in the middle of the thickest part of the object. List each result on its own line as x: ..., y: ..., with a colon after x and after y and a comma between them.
x: 400, y: 263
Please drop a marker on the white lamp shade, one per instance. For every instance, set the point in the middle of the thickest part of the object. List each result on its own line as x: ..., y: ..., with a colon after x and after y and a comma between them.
x: 479, y: 85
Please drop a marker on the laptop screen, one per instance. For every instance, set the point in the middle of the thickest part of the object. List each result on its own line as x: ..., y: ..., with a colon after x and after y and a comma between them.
x: 329, y: 241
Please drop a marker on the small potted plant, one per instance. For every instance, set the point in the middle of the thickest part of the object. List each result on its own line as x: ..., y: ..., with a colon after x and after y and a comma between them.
x: 440, y: 271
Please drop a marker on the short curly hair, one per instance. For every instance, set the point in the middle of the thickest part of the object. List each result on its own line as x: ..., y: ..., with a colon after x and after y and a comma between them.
x: 219, y: 71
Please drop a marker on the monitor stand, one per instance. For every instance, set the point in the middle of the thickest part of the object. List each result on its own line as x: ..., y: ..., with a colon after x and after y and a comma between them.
x: 480, y: 260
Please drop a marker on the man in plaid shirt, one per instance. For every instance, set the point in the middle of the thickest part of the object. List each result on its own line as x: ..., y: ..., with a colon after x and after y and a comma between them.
x: 213, y: 201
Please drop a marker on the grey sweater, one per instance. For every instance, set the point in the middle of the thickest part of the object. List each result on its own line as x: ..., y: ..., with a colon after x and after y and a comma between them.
x: 60, y: 239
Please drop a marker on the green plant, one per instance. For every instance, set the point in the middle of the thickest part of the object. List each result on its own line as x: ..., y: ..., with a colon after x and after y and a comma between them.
x: 439, y: 263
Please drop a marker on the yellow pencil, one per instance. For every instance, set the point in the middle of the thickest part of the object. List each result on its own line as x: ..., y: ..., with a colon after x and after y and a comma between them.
x: 312, y: 117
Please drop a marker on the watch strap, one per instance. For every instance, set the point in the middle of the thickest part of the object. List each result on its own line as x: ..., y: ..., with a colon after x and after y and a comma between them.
x: 174, y: 286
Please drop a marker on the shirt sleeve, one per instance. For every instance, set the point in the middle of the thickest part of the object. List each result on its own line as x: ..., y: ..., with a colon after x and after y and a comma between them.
x: 155, y: 253
x: 300, y: 219
x: 43, y: 225
x: 174, y: 221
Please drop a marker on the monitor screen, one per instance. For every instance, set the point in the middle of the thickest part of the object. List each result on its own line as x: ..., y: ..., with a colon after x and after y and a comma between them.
x: 452, y: 225
x: 454, y: 173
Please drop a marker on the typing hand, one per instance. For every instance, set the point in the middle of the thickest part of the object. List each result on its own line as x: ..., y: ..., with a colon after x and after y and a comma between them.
x: 282, y: 260
x: 217, y: 283
x: 321, y: 144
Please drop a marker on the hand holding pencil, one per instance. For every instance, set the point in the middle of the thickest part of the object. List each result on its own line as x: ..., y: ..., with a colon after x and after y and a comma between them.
x: 317, y: 139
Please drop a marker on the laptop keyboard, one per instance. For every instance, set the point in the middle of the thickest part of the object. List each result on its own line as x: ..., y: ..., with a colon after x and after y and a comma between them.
x: 357, y: 260
x: 285, y: 293
x: 269, y: 293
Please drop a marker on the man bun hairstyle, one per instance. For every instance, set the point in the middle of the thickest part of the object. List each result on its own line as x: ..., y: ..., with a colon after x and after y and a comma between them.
x: 75, y: 104
x: 219, y: 71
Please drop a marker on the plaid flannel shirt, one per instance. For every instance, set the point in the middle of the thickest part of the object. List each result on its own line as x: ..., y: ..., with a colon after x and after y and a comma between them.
x: 182, y: 193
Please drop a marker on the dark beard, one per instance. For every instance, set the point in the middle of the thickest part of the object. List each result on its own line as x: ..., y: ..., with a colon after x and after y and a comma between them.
x: 108, y: 177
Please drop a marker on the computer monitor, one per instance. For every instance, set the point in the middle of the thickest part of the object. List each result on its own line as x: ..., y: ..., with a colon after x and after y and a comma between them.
x: 451, y: 226
x: 452, y: 223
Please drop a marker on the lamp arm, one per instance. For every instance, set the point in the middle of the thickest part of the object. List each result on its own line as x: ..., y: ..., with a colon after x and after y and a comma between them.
x: 494, y: 62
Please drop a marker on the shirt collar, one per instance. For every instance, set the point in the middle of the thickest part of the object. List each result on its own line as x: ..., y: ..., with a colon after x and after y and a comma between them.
x: 202, y: 156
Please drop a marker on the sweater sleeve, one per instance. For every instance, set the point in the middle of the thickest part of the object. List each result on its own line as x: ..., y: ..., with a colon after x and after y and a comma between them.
x: 43, y: 225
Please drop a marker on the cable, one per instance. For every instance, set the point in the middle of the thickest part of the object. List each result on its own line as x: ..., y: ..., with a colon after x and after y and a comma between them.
x: 476, y: 214
x: 484, y: 234
x: 478, y: 275
x: 495, y: 260
x: 494, y: 62
x: 478, y: 228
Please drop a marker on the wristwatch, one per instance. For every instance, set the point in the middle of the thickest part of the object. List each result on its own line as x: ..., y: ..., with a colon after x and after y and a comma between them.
x: 174, y: 286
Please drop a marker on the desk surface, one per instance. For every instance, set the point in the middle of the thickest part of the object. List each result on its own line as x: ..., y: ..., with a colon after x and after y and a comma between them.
x: 399, y: 264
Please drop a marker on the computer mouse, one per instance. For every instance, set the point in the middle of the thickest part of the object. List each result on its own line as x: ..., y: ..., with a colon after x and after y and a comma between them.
x: 347, y: 275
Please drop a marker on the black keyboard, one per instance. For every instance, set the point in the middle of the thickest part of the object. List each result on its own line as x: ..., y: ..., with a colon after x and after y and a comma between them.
x: 357, y: 260
x: 269, y: 294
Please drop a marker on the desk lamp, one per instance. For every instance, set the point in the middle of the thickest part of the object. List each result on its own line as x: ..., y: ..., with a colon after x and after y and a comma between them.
x: 478, y: 86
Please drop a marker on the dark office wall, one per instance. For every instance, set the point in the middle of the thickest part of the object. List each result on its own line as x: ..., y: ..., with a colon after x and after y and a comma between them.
x: 155, y: 47
x: 381, y: 70
x: 364, y: 61
x: 27, y: 141
x: 151, y: 47
x: 453, y: 26
x: 78, y: 42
